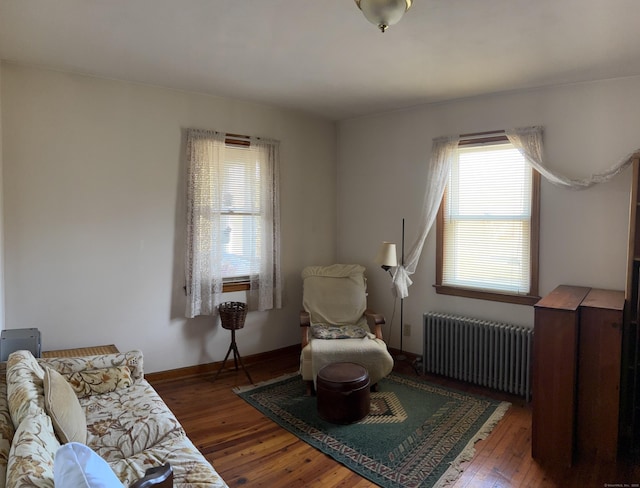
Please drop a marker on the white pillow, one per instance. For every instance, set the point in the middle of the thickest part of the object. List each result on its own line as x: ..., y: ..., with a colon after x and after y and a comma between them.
x: 77, y: 466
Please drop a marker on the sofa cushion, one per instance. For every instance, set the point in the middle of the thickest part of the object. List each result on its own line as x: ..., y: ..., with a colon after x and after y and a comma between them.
x: 77, y: 466
x: 190, y: 467
x: 63, y: 407
x: 99, y: 381
x: 125, y: 422
x: 32, y: 453
x: 325, y: 331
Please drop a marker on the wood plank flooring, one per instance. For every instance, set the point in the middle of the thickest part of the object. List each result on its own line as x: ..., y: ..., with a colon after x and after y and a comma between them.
x: 247, y: 449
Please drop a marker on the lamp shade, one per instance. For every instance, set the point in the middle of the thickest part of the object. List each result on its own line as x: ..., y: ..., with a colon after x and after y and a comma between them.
x: 387, y: 255
x: 383, y: 13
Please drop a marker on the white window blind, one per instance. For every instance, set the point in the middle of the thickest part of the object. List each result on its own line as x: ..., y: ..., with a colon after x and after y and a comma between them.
x: 240, y: 213
x: 487, y: 220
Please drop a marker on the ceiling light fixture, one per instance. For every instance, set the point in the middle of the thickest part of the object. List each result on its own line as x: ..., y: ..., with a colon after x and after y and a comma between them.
x: 383, y: 13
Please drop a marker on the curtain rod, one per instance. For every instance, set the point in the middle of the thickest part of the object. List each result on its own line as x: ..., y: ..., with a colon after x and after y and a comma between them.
x: 476, y: 134
x: 480, y: 138
x: 237, y: 140
x: 236, y: 136
x: 240, y: 136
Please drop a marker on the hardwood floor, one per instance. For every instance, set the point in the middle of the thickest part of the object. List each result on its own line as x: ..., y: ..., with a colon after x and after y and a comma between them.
x: 247, y: 449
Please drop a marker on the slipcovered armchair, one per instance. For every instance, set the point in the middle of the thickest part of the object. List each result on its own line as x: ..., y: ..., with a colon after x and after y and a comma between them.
x: 336, y: 324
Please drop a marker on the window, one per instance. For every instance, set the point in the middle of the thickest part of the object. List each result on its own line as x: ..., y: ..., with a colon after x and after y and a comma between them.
x: 232, y: 221
x: 240, y: 210
x: 488, y: 224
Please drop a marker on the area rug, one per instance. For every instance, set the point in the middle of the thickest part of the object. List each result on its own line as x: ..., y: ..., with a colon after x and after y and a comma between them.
x: 417, y: 434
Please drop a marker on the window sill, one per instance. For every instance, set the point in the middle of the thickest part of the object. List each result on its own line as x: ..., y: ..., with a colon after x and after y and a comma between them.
x: 485, y: 295
x: 230, y: 287
x: 236, y: 286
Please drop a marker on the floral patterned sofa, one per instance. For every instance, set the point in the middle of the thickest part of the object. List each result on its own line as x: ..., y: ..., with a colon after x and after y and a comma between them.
x: 127, y: 423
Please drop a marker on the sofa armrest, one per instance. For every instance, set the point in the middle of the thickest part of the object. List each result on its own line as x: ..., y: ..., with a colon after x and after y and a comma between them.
x: 156, y: 477
x: 375, y: 321
x: 305, y: 323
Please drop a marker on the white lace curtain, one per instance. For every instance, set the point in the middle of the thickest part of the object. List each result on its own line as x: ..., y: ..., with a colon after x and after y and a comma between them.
x: 528, y: 141
x: 204, y: 273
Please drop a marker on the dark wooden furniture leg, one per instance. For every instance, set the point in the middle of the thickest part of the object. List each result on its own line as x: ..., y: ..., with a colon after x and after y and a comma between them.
x: 236, y: 357
x: 310, y: 388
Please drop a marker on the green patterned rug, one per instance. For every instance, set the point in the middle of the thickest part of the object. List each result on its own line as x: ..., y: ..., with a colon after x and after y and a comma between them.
x: 417, y: 434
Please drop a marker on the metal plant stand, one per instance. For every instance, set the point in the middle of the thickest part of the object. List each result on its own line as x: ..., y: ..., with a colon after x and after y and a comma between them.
x: 232, y: 316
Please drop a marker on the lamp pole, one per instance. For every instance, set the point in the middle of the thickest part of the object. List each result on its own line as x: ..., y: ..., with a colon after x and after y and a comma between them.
x: 401, y: 356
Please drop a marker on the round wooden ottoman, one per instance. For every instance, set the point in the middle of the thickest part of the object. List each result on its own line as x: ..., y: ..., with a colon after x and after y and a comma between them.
x: 343, y: 393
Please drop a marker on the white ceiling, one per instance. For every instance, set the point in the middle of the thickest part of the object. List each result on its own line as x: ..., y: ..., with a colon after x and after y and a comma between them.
x: 322, y: 56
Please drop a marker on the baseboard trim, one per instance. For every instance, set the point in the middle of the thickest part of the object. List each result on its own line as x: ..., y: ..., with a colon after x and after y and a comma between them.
x: 197, y: 369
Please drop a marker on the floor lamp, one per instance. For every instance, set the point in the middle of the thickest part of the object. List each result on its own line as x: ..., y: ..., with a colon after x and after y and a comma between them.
x: 387, y: 259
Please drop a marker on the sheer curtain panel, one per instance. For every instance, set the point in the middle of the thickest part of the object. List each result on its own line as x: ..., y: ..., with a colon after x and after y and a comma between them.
x: 443, y: 151
x: 528, y: 140
x: 233, y: 221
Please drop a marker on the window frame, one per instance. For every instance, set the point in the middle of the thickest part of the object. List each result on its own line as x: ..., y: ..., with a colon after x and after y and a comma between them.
x: 534, y: 243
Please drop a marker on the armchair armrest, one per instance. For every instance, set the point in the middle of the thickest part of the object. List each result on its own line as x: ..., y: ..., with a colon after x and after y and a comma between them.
x: 305, y: 323
x: 156, y: 477
x: 375, y: 321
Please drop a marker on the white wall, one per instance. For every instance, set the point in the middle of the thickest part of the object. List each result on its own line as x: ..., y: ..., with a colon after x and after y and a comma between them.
x: 381, y: 174
x: 94, y: 213
x: 1, y: 217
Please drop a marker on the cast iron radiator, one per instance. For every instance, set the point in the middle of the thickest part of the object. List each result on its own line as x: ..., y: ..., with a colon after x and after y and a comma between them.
x: 485, y: 353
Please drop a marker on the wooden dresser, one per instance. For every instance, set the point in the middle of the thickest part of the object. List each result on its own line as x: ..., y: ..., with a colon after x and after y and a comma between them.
x: 576, y: 375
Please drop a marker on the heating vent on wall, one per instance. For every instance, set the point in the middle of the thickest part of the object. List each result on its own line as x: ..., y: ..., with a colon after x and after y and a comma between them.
x: 486, y: 353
